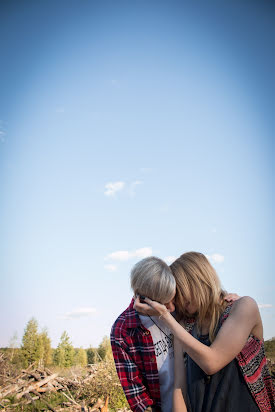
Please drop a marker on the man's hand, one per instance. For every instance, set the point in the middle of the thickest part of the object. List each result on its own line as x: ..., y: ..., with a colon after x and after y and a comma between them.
x: 231, y: 297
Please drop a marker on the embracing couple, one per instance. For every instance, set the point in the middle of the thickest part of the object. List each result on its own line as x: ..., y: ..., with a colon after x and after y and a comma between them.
x: 183, y: 344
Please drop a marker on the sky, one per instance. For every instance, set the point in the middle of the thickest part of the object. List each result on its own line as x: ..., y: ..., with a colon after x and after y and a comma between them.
x: 130, y: 129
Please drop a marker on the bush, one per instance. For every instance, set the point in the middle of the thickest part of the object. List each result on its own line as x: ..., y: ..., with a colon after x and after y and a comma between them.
x: 105, y: 383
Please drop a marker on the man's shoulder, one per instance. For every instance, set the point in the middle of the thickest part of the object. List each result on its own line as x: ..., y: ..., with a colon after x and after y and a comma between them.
x: 128, y: 319
x: 120, y: 324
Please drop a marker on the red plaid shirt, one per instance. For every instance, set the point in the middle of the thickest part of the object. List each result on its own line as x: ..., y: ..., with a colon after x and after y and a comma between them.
x: 135, y: 361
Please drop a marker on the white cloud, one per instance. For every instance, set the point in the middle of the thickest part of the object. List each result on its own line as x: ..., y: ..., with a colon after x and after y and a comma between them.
x: 79, y: 313
x: 121, y: 255
x: 170, y: 259
x: 124, y: 255
x: 143, y: 252
x: 133, y: 186
x: 215, y: 257
x: 111, y: 268
x: 112, y: 187
x: 265, y: 305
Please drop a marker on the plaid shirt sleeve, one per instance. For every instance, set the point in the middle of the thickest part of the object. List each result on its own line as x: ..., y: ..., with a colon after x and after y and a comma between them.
x: 130, y: 376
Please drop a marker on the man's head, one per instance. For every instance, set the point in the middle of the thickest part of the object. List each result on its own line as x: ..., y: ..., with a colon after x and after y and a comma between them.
x: 151, y: 277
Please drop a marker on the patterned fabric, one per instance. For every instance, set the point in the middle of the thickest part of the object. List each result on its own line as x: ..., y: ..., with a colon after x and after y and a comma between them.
x: 253, y: 365
x: 252, y: 362
x: 135, y: 361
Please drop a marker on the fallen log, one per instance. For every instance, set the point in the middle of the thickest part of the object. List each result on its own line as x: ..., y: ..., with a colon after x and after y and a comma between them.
x: 13, y: 388
x: 37, y: 385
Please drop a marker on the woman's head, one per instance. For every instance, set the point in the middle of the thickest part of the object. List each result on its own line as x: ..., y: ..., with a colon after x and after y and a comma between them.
x: 153, y: 278
x: 198, y: 288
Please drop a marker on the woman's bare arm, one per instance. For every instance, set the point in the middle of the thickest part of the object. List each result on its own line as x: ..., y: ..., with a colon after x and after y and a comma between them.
x: 244, y: 319
x: 180, y: 385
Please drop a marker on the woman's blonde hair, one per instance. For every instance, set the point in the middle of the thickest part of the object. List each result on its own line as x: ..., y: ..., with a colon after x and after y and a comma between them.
x: 153, y: 278
x: 197, y: 282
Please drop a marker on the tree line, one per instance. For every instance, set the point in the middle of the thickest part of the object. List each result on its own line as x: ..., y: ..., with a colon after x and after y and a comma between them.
x: 36, y: 349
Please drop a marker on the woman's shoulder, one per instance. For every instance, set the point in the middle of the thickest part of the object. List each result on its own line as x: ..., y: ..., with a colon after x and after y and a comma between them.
x: 241, y: 309
x: 245, y: 305
x: 245, y: 311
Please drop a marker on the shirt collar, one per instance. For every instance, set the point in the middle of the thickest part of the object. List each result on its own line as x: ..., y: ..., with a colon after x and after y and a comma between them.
x: 131, y: 317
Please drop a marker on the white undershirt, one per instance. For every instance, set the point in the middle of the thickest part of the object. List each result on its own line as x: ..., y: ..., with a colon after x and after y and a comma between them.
x: 164, y: 351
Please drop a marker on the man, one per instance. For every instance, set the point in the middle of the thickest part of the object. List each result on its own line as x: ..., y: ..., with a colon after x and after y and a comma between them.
x: 142, y: 346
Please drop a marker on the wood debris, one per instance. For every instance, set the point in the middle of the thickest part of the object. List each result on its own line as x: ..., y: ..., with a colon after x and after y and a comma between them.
x: 32, y: 385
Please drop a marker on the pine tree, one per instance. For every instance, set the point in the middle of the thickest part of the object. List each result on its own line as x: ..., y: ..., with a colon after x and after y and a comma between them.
x: 31, y: 344
x: 64, y: 354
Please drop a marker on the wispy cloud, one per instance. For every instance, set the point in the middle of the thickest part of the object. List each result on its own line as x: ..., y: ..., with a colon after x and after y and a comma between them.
x: 124, y: 255
x: 169, y: 259
x: 215, y: 258
x: 111, y: 268
x: 79, y: 313
x: 133, y: 187
x: 112, y: 188
x: 265, y: 305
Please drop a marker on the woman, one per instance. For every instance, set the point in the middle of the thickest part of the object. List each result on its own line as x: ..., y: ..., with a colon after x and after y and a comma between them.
x: 226, y: 365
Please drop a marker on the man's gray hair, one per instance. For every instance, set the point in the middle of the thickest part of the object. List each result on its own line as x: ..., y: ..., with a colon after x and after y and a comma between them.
x: 152, y: 277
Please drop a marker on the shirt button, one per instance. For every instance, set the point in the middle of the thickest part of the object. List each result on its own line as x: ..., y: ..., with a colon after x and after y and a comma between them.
x: 153, y: 360
x: 147, y: 332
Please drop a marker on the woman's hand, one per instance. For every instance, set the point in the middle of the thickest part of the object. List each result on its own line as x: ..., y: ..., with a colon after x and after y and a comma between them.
x: 151, y: 307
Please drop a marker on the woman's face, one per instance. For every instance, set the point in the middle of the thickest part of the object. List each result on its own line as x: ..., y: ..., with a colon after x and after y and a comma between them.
x: 171, y: 304
x: 191, y: 307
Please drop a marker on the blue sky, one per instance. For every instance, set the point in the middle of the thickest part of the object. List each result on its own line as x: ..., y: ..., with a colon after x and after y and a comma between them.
x: 135, y: 127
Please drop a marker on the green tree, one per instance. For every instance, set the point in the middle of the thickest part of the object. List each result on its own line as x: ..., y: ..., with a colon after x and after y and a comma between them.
x: 64, y: 354
x: 46, y: 358
x: 92, y: 356
x: 59, y: 356
x: 80, y: 357
x: 105, y: 349
x: 31, y: 344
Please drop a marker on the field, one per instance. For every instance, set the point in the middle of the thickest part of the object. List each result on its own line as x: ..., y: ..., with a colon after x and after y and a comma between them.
x: 92, y: 388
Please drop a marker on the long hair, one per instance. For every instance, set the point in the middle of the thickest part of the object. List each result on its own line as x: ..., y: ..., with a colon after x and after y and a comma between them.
x: 197, y: 282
